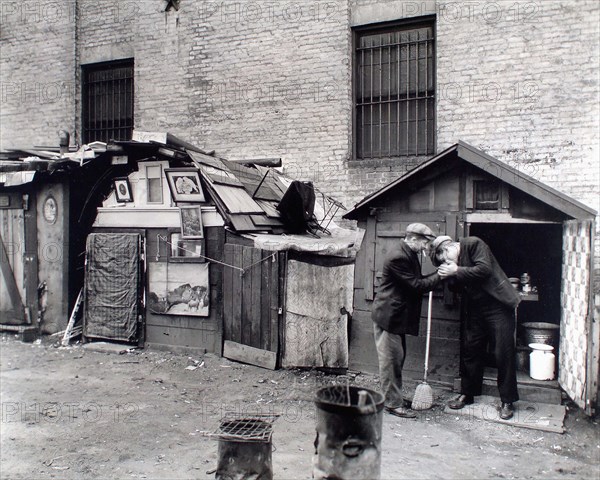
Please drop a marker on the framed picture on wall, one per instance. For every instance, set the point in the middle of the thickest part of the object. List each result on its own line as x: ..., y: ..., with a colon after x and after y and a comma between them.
x: 184, y: 184
x: 191, y: 222
x: 123, y: 190
x: 182, y: 289
x: 184, y: 250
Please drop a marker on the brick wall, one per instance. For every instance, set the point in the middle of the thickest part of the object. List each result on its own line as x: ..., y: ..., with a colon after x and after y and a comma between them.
x: 520, y: 81
x: 37, y: 84
x: 273, y: 79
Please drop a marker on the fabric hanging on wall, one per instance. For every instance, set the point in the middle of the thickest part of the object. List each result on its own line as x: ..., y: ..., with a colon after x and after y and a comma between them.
x: 111, y: 286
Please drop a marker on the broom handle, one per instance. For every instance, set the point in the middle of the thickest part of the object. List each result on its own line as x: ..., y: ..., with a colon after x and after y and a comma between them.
x: 428, y: 335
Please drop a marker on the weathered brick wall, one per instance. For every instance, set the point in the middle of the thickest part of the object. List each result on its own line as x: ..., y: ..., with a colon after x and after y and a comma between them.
x: 37, y: 83
x: 262, y: 78
x: 520, y: 81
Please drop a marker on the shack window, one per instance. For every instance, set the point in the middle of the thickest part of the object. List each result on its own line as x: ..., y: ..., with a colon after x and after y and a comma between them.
x: 154, y: 183
x: 487, y: 195
x: 107, y: 97
x: 395, y: 91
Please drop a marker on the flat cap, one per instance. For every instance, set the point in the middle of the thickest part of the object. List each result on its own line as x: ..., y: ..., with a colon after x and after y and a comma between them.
x: 433, y: 247
x: 438, y: 242
x: 420, y: 229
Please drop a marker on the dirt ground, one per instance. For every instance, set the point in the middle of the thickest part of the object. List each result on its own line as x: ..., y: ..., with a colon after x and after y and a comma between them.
x: 72, y: 413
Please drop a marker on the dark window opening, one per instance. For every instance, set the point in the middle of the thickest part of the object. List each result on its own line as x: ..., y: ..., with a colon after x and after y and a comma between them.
x: 107, y: 97
x: 487, y: 195
x: 395, y: 91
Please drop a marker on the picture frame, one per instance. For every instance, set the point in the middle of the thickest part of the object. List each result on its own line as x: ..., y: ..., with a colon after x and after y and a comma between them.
x: 184, y: 184
x: 180, y: 289
x: 191, y: 222
x: 185, y: 250
x: 122, y: 190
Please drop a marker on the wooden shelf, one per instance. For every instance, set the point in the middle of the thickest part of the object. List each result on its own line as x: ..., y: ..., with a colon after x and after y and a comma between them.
x: 529, y: 297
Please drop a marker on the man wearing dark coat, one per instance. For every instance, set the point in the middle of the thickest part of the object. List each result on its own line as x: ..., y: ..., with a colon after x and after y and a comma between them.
x: 397, y: 310
x: 489, y: 302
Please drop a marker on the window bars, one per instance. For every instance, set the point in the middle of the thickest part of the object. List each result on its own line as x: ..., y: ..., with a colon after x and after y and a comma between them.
x: 107, y: 100
x: 395, y: 92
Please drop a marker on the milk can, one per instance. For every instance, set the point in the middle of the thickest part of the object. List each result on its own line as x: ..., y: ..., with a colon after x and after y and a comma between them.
x: 541, y: 361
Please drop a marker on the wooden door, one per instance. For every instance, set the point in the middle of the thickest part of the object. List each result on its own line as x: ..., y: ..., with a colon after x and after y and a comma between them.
x: 13, y: 290
x: 579, y: 333
x: 252, y: 304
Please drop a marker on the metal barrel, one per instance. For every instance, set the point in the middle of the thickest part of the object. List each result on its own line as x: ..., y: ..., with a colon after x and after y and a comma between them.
x: 348, y: 440
x: 246, y: 454
x: 541, y: 332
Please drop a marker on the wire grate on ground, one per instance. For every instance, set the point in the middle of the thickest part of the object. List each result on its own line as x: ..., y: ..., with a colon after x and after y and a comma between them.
x: 234, y: 427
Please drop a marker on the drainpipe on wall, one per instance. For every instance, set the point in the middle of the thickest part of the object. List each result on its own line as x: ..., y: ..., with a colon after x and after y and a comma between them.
x: 42, y: 291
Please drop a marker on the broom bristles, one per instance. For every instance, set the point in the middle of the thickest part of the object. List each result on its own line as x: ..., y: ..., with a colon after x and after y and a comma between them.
x: 423, y: 398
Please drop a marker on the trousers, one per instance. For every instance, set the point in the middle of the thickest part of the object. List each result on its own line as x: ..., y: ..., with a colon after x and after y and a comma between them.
x: 490, y: 323
x: 391, y: 352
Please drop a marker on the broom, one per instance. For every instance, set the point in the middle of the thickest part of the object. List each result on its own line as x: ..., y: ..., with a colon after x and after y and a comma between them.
x: 423, y: 398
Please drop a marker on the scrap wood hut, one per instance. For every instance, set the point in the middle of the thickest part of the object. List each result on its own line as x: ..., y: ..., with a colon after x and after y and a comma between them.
x: 44, y: 195
x: 530, y: 227
x: 190, y: 252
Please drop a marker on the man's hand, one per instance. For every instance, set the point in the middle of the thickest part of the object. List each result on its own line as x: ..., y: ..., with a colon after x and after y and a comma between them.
x: 447, y: 269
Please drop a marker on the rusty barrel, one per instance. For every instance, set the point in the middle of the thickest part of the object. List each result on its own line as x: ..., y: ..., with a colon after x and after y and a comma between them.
x: 348, y: 441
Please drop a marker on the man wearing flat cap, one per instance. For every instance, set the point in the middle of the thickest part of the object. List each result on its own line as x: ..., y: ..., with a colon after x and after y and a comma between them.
x: 489, y: 303
x: 397, y: 310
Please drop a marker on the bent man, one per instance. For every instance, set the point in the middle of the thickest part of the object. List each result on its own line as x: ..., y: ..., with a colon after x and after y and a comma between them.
x: 489, y: 303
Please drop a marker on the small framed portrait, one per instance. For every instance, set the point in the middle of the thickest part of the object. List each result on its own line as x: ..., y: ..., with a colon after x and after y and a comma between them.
x: 184, y: 184
x: 191, y: 222
x: 123, y: 190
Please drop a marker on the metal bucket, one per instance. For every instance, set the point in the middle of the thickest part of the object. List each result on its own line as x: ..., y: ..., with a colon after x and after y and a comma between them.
x: 348, y: 441
x: 540, y: 332
x: 245, y: 450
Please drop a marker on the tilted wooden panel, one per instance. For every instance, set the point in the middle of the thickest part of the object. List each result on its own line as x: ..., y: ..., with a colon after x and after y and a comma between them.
x: 236, y: 199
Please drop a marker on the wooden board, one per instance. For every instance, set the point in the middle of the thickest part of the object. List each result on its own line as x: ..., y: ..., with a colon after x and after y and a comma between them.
x: 362, y: 355
x: 251, y: 355
x: 535, y: 416
x: 14, y: 314
x: 236, y: 199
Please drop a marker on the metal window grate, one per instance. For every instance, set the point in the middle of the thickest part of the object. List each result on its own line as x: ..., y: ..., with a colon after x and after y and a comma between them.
x: 395, y: 92
x: 107, y: 98
x: 257, y: 428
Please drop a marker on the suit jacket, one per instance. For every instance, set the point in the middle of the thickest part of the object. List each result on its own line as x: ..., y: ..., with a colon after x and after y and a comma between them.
x: 478, y: 268
x: 397, y: 304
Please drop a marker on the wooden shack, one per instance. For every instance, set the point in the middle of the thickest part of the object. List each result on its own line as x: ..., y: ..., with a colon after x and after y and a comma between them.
x: 42, y: 195
x: 186, y: 253
x: 530, y: 227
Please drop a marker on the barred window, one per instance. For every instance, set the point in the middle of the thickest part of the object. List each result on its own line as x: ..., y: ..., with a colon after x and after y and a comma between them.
x: 107, y: 97
x: 395, y: 91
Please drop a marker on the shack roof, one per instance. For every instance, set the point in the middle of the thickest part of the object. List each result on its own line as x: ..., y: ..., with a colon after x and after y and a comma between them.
x: 462, y: 151
x: 245, y: 194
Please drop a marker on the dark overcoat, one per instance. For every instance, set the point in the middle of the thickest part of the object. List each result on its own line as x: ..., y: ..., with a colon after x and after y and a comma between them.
x: 478, y: 268
x: 397, y: 303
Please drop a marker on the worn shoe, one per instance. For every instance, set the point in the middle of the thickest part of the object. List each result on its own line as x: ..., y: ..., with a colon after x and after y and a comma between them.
x: 400, y: 412
x: 460, y: 402
x: 507, y: 411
